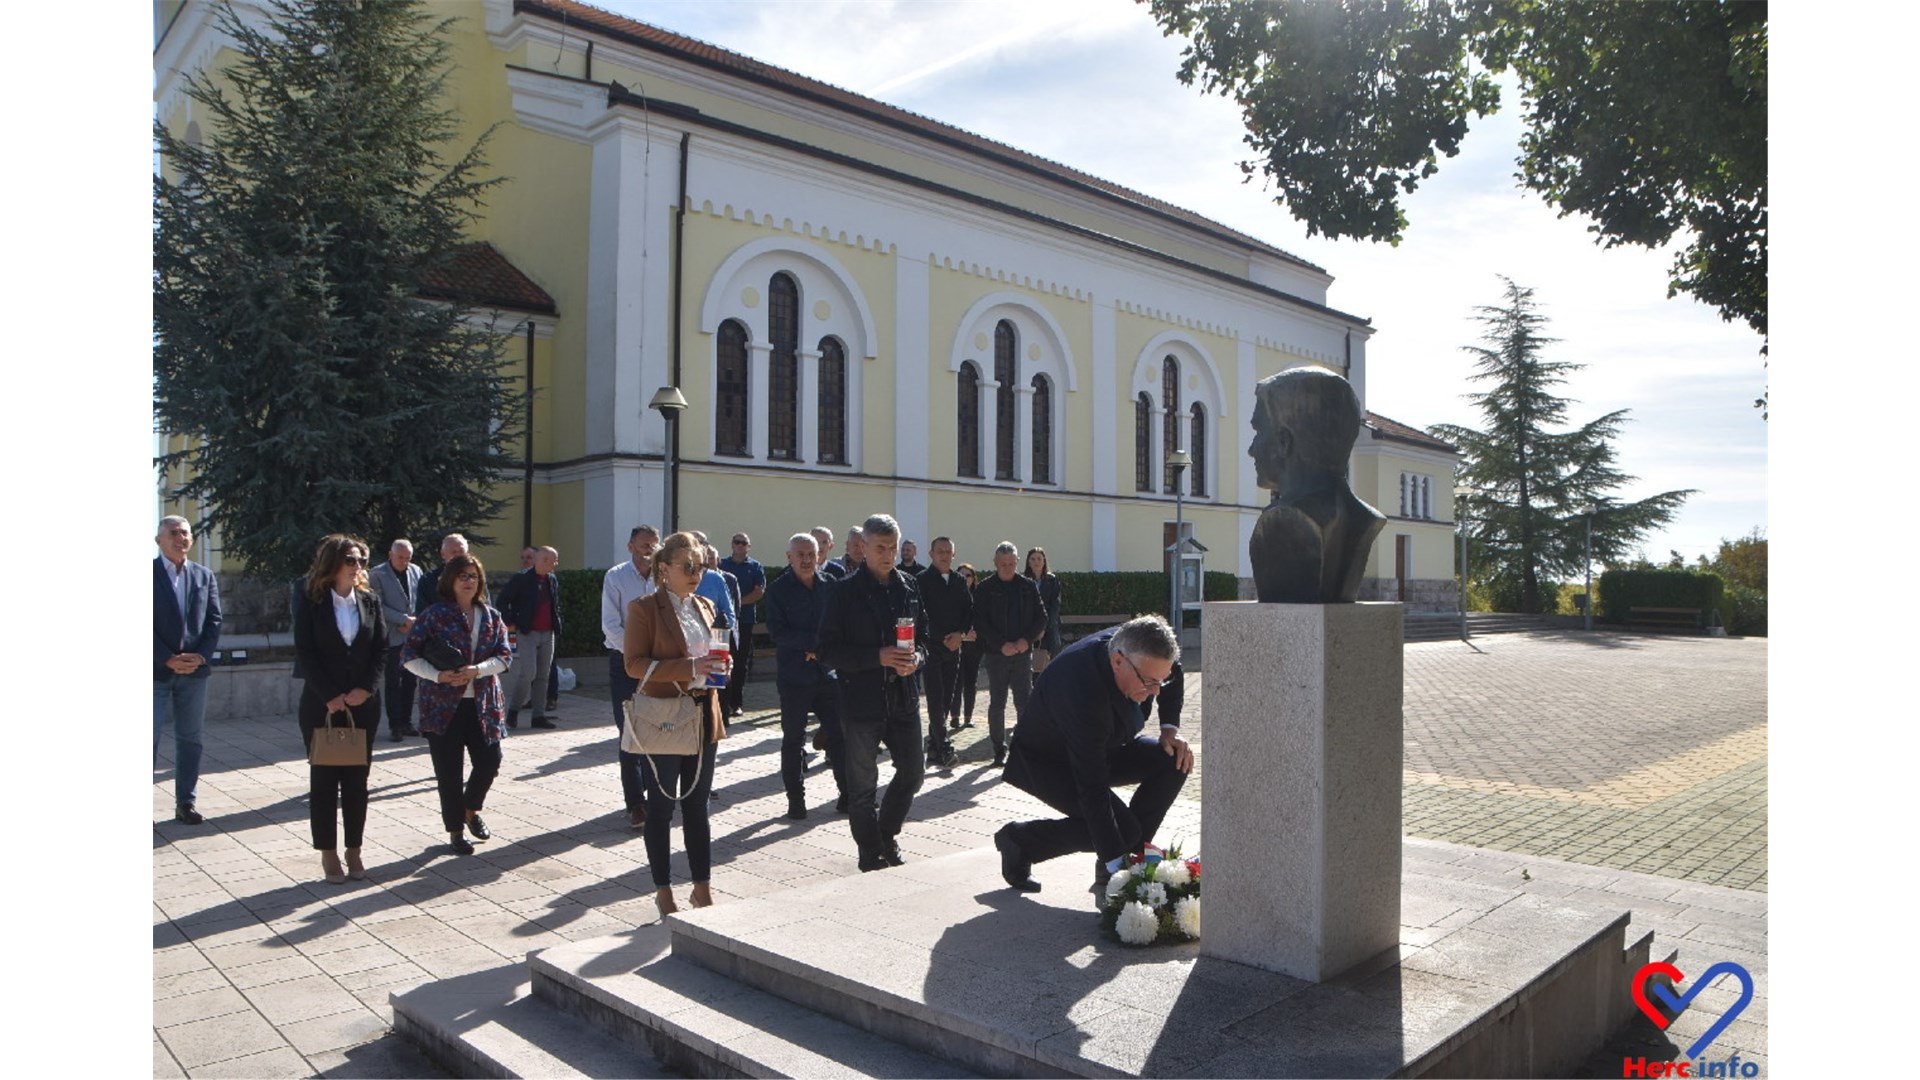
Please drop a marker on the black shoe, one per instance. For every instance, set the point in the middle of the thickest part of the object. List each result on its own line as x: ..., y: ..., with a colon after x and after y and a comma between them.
x: 1101, y: 875
x: 797, y: 809
x: 869, y: 864
x: 459, y: 845
x: 479, y: 828
x: 408, y: 730
x: 543, y: 722
x: 513, y: 719
x: 637, y: 817
x: 553, y: 706
x: 187, y: 815
x: 999, y: 756
x: 395, y: 735
x: 1015, y: 868
x: 953, y: 724
x: 840, y: 805
x: 891, y: 854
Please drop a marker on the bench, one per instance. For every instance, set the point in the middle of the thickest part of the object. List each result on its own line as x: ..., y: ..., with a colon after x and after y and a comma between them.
x: 1075, y: 627
x: 1664, y: 618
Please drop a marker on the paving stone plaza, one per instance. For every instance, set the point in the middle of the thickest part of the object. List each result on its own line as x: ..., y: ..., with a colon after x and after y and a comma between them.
x: 1640, y: 758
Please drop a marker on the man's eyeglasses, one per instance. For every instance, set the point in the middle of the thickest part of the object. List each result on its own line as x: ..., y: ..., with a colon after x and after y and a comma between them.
x: 1151, y: 684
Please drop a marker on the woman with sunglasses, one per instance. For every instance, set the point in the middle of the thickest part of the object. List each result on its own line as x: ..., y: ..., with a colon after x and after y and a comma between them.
x: 462, y: 708
x: 342, y: 645
x: 668, y: 635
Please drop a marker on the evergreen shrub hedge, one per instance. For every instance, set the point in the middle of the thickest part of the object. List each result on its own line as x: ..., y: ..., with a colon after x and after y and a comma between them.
x: 1622, y: 590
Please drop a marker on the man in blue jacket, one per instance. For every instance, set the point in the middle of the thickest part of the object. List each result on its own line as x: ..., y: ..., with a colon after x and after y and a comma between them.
x: 186, y: 631
x: 795, y: 602
x: 530, y: 604
x: 1081, y: 737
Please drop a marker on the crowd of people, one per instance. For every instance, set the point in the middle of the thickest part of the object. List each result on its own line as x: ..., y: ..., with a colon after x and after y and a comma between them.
x: 875, y: 648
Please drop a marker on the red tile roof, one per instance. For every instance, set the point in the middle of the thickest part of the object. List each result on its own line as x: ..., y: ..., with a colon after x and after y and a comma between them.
x: 479, y: 276
x: 695, y: 51
x: 1384, y: 428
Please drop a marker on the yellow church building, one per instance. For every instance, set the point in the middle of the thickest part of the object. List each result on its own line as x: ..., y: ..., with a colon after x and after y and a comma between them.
x: 865, y: 310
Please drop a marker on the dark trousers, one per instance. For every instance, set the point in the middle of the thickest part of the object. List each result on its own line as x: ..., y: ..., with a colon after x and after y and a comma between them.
x: 397, y: 692
x: 553, y: 676
x: 732, y: 695
x: 633, y: 767
x: 823, y: 700
x: 942, y: 678
x: 671, y: 773
x: 1006, y: 673
x: 464, y: 734
x: 1141, y: 761
x: 337, y: 790
x: 969, y: 675
x: 864, y: 735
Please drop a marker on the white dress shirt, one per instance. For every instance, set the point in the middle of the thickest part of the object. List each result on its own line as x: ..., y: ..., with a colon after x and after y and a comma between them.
x: 622, y: 586
x: 346, y: 613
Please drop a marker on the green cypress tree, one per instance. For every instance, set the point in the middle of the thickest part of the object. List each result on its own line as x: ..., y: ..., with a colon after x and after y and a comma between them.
x: 319, y: 390
x: 1524, y: 487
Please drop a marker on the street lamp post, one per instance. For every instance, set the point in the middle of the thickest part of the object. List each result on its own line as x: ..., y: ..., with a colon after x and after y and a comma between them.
x: 669, y: 402
x: 1178, y: 460
x: 1587, y: 510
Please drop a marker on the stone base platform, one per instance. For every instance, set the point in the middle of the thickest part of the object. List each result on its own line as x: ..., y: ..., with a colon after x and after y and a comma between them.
x: 937, y: 969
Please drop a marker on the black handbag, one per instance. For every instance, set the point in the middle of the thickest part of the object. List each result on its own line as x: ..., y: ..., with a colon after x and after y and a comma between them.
x: 443, y: 655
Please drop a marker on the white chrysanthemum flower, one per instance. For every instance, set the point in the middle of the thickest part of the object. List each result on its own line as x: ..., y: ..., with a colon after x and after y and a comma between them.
x: 1137, y: 925
x: 1175, y: 873
x: 1155, y: 895
x: 1117, y: 884
x: 1186, y: 916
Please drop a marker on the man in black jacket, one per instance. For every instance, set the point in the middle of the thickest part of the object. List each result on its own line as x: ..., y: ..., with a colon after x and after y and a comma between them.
x: 881, y: 704
x: 949, y: 605
x: 1082, y: 736
x: 1009, y: 617
x: 795, y: 602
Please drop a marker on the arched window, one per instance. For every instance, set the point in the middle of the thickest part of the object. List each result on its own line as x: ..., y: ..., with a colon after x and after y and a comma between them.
x: 1005, y: 372
x: 833, y: 402
x: 1143, y: 443
x: 783, y: 368
x: 730, y: 407
x: 969, y: 418
x: 1042, y: 430
x: 1170, y: 401
x: 1197, y: 436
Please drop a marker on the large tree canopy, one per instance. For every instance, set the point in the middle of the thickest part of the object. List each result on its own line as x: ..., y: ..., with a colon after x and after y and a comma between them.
x: 1649, y: 118
x: 1526, y: 492
x: 318, y: 390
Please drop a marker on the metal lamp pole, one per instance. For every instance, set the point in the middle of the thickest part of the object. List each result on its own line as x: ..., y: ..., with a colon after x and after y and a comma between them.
x: 669, y: 402
x: 1178, y: 460
x: 1588, y: 511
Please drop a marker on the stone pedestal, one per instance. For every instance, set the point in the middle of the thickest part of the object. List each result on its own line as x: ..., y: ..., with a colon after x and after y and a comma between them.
x: 1301, y: 798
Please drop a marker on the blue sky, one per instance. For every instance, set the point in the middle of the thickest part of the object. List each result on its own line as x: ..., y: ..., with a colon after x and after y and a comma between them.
x: 1010, y: 70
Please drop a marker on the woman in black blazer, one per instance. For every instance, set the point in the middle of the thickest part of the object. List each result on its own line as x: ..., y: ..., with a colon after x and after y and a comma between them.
x: 342, y: 646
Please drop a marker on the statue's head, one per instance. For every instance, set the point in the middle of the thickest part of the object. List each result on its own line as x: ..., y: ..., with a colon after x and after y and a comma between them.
x: 1304, y: 423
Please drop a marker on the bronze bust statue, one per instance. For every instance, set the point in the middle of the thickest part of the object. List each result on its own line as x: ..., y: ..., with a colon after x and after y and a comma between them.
x: 1310, y: 545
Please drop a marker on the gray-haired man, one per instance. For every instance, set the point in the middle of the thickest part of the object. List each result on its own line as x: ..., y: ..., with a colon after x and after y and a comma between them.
x: 1082, y: 736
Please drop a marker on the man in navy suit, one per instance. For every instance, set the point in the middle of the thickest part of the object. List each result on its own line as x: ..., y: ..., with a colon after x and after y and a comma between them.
x: 186, y: 630
x: 1082, y: 736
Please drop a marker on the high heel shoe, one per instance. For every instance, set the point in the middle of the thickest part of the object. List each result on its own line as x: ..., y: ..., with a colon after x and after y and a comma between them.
x: 663, y: 899
x: 355, y: 868
x: 330, y: 866
x: 702, y: 897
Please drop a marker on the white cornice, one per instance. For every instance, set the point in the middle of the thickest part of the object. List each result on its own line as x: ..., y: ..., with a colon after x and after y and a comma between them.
x: 1439, y: 459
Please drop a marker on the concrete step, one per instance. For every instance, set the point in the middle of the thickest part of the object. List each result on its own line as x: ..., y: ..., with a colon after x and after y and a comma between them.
x: 702, y: 1023
x: 487, y: 1025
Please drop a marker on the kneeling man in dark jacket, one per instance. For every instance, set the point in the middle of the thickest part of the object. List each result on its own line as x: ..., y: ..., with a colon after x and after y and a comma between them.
x: 1082, y: 735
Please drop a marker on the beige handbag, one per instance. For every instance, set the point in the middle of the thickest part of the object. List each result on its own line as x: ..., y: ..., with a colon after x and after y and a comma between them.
x: 338, y: 745
x: 665, y: 726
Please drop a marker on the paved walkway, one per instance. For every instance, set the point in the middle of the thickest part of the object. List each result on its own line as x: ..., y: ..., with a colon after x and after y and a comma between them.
x: 1546, y: 745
